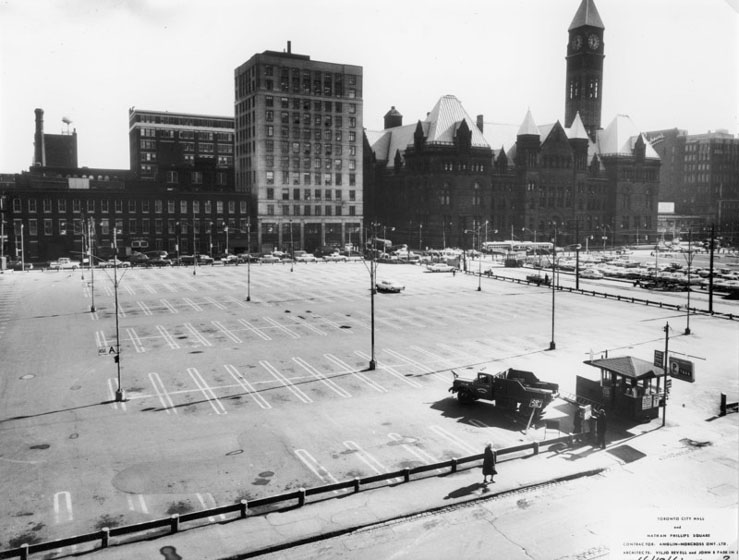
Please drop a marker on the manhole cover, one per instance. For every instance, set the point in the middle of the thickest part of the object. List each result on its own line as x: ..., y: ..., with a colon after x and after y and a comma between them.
x: 27, y: 376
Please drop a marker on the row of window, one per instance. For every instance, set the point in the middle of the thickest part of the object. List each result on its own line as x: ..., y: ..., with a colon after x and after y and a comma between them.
x: 133, y: 226
x: 306, y: 148
x: 203, y: 147
x: 305, y: 194
x: 308, y: 178
x: 186, y: 135
x: 134, y: 206
x: 316, y: 105
x: 306, y: 119
x: 327, y: 135
x: 307, y: 210
x: 196, y: 177
x: 315, y: 163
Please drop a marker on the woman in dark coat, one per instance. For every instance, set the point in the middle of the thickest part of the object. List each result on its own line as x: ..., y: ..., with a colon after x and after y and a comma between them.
x: 488, y: 464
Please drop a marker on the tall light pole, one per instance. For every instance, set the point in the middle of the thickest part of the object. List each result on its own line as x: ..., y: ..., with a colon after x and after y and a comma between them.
x: 373, y: 269
x: 690, y: 260
x: 23, y: 252
x: 119, y: 390
x: 248, y: 261
x: 90, y: 235
x: 552, y: 345
x: 420, y: 233
x: 292, y: 248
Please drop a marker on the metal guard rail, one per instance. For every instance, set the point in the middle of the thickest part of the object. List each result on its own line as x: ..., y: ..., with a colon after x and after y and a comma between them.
x: 172, y: 523
x: 618, y: 297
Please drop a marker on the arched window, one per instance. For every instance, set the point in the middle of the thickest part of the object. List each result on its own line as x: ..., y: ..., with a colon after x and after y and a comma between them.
x: 476, y: 195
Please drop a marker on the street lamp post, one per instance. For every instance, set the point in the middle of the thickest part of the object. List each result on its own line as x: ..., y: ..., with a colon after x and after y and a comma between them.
x: 90, y: 256
x: 552, y: 345
x: 119, y: 390
x: 23, y: 252
x: 248, y: 261
x: 373, y: 271
x: 690, y: 260
x: 420, y: 232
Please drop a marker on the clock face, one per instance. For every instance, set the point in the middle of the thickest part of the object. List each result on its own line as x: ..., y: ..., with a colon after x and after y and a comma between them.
x: 593, y: 42
x: 577, y: 42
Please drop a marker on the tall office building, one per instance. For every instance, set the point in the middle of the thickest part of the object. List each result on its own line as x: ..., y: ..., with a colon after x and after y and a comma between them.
x: 298, y: 126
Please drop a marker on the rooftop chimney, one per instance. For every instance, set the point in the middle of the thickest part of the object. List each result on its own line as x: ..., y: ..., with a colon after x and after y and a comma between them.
x: 479, y: 122
x: 289, y: 47
x: 39, y: 150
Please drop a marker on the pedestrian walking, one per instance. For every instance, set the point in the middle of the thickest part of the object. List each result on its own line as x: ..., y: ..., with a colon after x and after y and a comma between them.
x: 602, y: 424
x: 488, y: 464
x: 578, y: 421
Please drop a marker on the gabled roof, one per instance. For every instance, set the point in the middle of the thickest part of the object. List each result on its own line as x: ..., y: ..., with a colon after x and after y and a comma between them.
x: 628, y: 366
x: 444, y: 120
x: 587, y: 14
x: 619, y: 139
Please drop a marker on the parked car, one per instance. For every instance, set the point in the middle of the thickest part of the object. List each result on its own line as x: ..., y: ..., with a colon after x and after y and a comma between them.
x: 334, y: 257
x: 110, y: 263
x: 159, y: 262
x: 440, y: 267
x: 17, y: 264
x: 389, y: 286
x: 269, y: 258
x: 591, y: 273
x: 64, y: 263
x: 229, y: 259
x: 247, y: 257
x: 305, y: 257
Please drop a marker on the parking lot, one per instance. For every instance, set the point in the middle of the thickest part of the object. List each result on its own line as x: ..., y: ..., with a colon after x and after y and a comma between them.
x: 227, y: 398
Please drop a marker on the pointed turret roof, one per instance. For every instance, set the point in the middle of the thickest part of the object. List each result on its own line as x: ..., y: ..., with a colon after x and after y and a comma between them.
x: 577, y: 129
x: 528, y: 126
x: 587, y: 14
x: 619, y: 139
x: 445, y: 118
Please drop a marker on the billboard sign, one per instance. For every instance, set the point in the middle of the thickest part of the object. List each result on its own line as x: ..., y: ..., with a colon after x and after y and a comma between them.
x: 682, y: 369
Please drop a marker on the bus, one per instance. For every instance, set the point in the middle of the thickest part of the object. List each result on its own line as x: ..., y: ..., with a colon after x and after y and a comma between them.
x: 526, y: 247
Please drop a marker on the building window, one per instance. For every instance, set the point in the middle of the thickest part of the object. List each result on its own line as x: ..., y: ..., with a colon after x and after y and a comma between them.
x: 132, y: 226
x: 76, y: 205
x: 158, y: 206
x: 145, y: 226
x: 219, y: 207
x: 197, y: 178
x: 118, y: 205
x: 208, y: 207
x: 131, y: 206
x: 270, y: 178
x: 183, y: 206
x: 33, y: 227
x: 270, y: 193
x: 104, y: 207
x: 158, y: 225
x: 90, y: 206
x: 48, y: 228
x: 62, y: 226
x: 62, y: 204
x: 352, y: 211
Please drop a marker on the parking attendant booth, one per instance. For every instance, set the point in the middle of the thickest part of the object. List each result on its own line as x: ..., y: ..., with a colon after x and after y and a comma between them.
x: 628, y: 387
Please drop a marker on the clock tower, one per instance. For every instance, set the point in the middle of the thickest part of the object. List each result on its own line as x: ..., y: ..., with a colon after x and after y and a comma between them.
x: 585, y: 56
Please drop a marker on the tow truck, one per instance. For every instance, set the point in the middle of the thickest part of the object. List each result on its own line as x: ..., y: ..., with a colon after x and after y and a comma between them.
x: 513, y: 390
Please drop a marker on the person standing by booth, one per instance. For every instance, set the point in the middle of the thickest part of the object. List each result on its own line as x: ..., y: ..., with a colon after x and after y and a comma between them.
x: 601, y: 426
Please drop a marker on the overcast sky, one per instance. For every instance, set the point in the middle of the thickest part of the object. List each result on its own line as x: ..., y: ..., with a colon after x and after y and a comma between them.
x: 669, y: 63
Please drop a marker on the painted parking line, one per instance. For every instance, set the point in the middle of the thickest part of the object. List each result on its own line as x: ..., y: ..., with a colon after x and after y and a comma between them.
x: 368, y: 320
x: 407, y: 317
x: 316, y: 468
x: 227, y: 333
x: 368, y: 459
x: 281, y: 327
x: 248, y: 387
x: 135, y: 340
x: 390, y: 369
x: 435, y: 357
x: 358, y: 374
x: 168, y: 338
x: 128, y: 288
x: 424, y: 457
x: 144, y: 308
x: 197, y: 336
x: 232, y: 299
x: 121, y: 311
x: 303, y: 323
x: 454, y: 440
x: 162, y: 393
x: 192, y: 304
x: 322, y: 378
x: 215, y: 303
x: 112, y: 387
x: 136, y: 502
x: 285, y: 382
x: 207, y: 391
x: 255, y: 330
x: 100, y: 340
x: 419, y: 366
x: 108, y: 290
x: 209, y: 502
x: 150, y: 288
x: 169, y: 306
x: 63, y: 508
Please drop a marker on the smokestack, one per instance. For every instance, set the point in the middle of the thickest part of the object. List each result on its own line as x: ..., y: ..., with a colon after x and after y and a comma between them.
x: 39, y: 152
x: 289, y: 47
x: 479, y: 122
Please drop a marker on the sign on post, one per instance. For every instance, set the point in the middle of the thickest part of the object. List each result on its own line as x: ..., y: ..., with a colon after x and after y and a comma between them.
x: 659, y: 358
x: 682, y: 369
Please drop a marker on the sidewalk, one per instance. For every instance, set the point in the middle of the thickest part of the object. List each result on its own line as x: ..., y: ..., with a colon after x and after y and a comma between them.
x: 242, y: 538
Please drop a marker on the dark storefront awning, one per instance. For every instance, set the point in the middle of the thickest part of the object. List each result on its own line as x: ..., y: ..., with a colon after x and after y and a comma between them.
x: 628, y: 366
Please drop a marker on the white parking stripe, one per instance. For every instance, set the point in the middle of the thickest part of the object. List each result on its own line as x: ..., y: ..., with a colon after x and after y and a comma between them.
x: 135, y: 340
x: 168, y: 338
x: 144, y: 308
x: 162, y: 393
x: 307, y: 325
x: 128, y: 288
x: 141, y: 503
x: 321, y: 377
x: 368, y: 459
x: 285, y: 382
x: 112, y: 387
x: 199, y: 337
x: 151, y: 289
x: 237, y: 301
x: 358, y: 374
x: 226, y: 332
x: 214, y: 302
x: 241, y: 380
x: 391, y: 370
x: 315, y: 467
x: 100, y: 339
x: 454, y: 440
x: 255, y: 330
x: 207, y: 391
x: 283, y: 328
x: 420, y: 454
x: 208, y: 502
x: 419, y: 366
x: 121, y: 311
x: 169, y: 306
x: 63, y: 508
x: 192, y: 304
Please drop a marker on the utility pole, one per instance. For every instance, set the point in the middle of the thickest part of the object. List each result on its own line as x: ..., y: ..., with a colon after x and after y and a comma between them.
x: 666, y: 328
x: 373, y: 268
x: 552, y: 345
x: 90, y: 235
x: 690, y: 260
x: 119, y: 390
x: 710, y: 269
